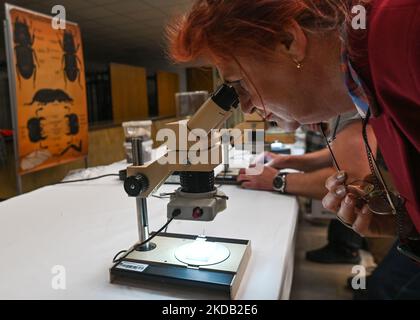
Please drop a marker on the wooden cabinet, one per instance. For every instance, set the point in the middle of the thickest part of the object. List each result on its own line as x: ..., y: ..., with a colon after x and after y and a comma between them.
x: 167, y: 86
x: 129, y: 92
x: 199, y: 79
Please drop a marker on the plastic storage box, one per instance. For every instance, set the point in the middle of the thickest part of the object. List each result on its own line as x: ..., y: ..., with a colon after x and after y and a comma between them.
x: 187, y: 103
x: 147, y: 147
x: 138, y: 129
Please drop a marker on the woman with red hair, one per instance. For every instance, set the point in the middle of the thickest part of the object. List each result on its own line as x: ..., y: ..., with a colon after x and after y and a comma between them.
x: 307, y: 61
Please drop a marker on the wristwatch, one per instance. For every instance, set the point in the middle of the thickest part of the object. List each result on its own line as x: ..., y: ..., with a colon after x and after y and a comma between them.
x: 279, y: 182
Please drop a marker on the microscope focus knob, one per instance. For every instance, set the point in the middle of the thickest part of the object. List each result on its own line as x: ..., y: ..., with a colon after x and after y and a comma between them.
x: 135, y: 185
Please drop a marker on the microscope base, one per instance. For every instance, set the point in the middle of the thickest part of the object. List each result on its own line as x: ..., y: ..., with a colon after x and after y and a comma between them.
x: 160, y: 266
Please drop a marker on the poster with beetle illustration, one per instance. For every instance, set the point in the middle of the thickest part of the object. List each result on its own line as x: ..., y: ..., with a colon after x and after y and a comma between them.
x: 47, y: 76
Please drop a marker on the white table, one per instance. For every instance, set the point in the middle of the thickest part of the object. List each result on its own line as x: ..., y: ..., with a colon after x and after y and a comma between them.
x: 81, y: 226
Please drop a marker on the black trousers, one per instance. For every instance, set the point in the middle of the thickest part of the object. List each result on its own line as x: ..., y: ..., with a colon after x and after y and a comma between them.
x: 396, y: 277
x: 343, y: 237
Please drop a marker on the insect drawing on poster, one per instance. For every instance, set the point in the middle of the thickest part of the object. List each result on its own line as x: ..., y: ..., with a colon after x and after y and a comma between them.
x: 70, y: 61
x: 26, y: 58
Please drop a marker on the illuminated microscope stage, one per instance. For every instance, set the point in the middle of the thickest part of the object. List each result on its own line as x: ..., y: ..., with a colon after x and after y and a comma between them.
x: 185, y: 260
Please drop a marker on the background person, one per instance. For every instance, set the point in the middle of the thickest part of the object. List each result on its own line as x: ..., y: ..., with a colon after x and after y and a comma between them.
x: 343, y: 243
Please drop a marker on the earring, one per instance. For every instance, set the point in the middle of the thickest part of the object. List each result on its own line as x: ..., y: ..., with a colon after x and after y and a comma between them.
x: 299, y: 65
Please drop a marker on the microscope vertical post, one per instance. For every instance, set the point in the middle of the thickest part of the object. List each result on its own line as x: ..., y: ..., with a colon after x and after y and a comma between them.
x: 226, y: 143
x: 141, y: 203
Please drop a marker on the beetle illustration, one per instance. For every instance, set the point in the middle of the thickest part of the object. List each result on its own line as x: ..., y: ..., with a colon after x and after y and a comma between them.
x: 25, y: 54
x: 45, y: 96
x: 35, y: 130
x: 73, y: 122
x: 70, y: 60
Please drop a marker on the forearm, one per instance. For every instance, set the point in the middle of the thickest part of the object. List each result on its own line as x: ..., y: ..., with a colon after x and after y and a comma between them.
x: 311, y: 161
x: 311, y: 184
x: 350, y: 151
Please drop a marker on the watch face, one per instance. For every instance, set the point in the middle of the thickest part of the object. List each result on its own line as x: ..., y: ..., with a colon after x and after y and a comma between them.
x: 278, y: 183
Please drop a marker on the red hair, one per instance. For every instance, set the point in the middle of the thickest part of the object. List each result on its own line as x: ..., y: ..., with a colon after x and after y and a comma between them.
x: 213, y: 29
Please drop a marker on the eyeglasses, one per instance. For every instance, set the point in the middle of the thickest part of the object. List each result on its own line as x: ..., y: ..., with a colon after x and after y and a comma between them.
x: 241, y: 90
x: 237, y: 85
x: 372, y: 190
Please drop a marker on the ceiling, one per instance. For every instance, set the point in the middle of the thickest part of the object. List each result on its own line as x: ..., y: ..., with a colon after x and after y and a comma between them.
x: 116, y: 30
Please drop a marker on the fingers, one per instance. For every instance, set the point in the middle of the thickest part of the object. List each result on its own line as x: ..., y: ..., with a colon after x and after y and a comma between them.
x: 362, y: 224
x: 332, y: 201
x: 346, y: 212
x: 337, y: 179
x: 243, y: 177
x: 336, y: 191
x: 262, y: 158
x: 359, y: 220
x: 246, y: 181
x: 247, y: 185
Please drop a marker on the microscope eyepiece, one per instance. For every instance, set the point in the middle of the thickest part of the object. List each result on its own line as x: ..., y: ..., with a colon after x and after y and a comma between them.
x: 225, y: 97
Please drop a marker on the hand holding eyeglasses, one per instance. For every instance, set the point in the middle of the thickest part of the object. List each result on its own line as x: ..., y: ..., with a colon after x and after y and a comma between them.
x: 369, y: 207
x: 351, y: 203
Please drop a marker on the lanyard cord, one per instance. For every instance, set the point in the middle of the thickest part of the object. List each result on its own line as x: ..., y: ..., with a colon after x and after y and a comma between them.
x: 327, y: 140
x: 374, y: 168
x: 404, y: 224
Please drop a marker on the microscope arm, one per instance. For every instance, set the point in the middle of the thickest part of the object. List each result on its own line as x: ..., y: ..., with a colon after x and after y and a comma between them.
x: 142, y: 180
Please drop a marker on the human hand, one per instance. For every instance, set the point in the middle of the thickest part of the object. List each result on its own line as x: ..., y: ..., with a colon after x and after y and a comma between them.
x: 263, y: 181
x: 343, y: 200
